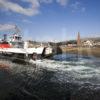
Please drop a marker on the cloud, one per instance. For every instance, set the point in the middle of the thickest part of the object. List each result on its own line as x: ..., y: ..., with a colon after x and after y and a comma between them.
x: 30, y: 11
x: 62, y: 2
x: 77, y: 6
x: 83, y: 9
x: 46, y: 1
x: 33, y: 10
x: 4, y: 27
x: 26, y: 21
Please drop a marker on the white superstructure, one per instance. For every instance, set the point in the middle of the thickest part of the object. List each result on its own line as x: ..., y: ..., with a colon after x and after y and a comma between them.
x: 15, y: 45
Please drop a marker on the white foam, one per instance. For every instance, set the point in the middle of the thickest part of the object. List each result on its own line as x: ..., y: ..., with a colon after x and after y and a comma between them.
x: 76, y: 71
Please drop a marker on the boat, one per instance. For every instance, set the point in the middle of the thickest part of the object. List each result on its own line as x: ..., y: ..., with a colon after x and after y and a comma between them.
x: 15, y: 47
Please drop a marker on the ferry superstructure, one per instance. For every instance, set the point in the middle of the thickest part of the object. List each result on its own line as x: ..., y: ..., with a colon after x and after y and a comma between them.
x: 16, y: 46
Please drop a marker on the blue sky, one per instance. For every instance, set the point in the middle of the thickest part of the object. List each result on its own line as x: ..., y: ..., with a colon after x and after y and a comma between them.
x: 52, y: 20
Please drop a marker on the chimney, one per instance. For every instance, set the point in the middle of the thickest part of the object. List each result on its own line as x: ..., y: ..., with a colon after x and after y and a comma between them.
x: 5, y: 37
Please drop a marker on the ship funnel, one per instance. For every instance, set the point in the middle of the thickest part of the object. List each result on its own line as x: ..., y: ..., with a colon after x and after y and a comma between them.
x: 5, y: 37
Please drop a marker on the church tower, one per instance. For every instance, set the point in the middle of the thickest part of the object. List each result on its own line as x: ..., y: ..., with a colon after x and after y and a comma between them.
x: 78, y: 40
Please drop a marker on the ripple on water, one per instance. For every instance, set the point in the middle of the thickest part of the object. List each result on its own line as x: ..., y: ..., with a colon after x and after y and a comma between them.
x: 82, y: 75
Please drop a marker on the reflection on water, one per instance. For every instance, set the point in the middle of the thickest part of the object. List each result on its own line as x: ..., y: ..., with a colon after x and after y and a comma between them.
x: 64, y: 77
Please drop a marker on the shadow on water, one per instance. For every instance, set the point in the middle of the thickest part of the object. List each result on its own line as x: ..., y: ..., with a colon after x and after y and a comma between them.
x: 43, y: 89
x: 36, y: 85
x: 20, y: 61
x: 23, y: 87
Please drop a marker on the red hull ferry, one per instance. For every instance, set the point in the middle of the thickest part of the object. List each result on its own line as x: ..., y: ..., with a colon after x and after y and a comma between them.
x: 5, y: 45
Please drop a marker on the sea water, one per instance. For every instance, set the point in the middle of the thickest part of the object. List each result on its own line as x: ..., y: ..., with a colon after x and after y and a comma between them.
x: 62, y: 77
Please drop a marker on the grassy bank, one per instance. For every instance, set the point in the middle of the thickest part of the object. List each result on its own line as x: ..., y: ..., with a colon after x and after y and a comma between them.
x: 82, y: 50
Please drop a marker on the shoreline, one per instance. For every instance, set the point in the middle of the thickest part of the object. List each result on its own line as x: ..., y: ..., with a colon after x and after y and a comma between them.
x: 82, y: 51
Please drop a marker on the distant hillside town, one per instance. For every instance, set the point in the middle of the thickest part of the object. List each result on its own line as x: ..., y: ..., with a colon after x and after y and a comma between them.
x: 79, y: 42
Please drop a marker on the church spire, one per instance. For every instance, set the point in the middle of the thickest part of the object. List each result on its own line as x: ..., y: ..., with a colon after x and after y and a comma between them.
x: 78, y: 40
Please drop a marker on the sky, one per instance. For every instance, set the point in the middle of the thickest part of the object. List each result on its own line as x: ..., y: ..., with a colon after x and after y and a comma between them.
x: 51, y: 20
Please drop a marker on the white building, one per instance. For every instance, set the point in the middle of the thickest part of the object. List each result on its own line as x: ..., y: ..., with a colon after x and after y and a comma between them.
x: 88, y: 43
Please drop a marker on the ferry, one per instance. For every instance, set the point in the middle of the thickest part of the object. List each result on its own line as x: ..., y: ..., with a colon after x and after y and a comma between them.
x: 15, y: 47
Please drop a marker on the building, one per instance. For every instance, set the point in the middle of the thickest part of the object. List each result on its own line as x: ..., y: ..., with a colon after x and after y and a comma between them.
x: 88, y: 43
x: 78, y: 40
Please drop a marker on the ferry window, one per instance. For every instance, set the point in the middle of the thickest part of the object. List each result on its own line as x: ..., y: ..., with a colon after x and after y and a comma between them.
x: 18, y: 38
